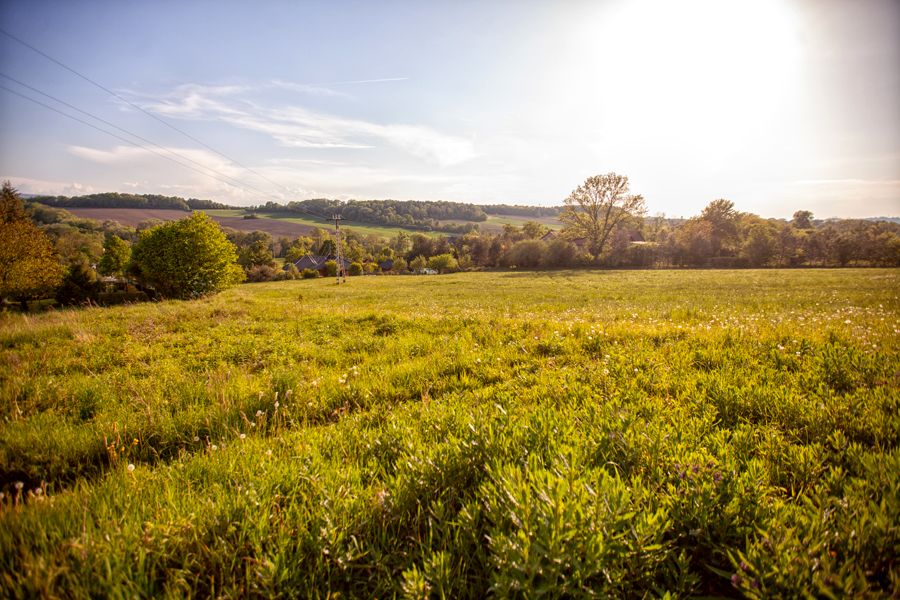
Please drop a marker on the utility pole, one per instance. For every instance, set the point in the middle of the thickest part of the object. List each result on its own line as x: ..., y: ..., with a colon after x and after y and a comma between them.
x: 341, y: 272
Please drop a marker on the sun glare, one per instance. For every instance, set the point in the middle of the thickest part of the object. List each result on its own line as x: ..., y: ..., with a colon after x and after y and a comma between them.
x: 690, y: 74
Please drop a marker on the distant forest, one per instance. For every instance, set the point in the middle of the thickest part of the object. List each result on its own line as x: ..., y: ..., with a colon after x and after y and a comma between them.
x: 411, y: 214
x: 117, y: 200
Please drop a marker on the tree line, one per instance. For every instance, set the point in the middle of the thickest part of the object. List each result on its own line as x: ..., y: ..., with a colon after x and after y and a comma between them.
x: 412, y: 214
x: 119, y: 200
x: 48, y: 252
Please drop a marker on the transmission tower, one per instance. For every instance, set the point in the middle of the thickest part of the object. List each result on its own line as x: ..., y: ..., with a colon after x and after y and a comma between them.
x: 341, y: 271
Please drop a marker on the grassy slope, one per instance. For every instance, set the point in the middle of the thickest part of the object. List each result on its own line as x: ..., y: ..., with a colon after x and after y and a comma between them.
x: 616, y: 431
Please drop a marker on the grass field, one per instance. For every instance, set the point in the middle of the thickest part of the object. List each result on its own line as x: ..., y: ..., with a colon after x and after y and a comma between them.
x: 361, y: 228
x: 496, y: 222
x: 612, y: 434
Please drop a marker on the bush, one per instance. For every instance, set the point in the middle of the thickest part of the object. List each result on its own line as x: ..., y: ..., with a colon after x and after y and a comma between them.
x: 443, y: 263
x: 355, y: 269
x: 330, y: 268
x: 187, y: 258
x: 309, y: 273
x: 260, y: 273
x: 399, y: 265
x: 526, y: 253
x: 560, y: 253
x: 418, y: 263
x: 80, y: 285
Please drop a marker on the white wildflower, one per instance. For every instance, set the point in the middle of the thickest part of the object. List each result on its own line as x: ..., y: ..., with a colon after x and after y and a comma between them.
x: 130, y: 467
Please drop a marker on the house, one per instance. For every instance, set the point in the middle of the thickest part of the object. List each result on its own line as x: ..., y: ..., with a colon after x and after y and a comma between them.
x: 317, y: 263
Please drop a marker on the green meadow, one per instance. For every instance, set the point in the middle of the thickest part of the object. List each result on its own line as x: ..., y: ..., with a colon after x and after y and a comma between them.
x: 518, y: 434
x: 356, y: 227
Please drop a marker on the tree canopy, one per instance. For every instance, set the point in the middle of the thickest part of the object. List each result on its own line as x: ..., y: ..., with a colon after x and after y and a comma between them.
x: 597, y: 207
x: 116, y: 256
x: 28, y: 264
x: 186, y: 258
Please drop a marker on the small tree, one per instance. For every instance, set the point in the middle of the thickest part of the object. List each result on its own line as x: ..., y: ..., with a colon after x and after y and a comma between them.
x: 28, y: 265
x: 79, y: 286
x: 802, y: 219
x: 399, y: 265
x: 116, y: 256
x: 257, y: 254
x: 443, y: 263
x: 187, y: 258
x: 418, y: 263
x: 527, y: 253
x: 597, y: 207
x: 355, y: 269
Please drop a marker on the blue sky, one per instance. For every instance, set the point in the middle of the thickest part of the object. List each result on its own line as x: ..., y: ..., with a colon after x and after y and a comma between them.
x: 777, y: 105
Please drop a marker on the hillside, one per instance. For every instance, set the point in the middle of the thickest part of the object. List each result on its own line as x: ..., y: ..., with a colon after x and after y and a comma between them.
x: 705, y: 433
x: 378, y: 217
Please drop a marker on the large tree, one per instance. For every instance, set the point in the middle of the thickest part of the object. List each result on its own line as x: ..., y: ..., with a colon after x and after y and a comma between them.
x: 28, y: 265
x: 186, y: 258
x: 597, y: 207
x: 116, y: 255
x: 724, y: 220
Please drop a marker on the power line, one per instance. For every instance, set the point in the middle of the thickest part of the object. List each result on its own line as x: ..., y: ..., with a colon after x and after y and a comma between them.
x: 118, y: 137
x: 232, y: 181
x: 133, y: 105
x: 226, y: 179
x: 153, y: 116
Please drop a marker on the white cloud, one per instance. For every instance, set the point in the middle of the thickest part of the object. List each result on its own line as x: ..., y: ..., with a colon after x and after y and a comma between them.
x: 202, y: 160
x: 27, y: 185
x: 300, y: 127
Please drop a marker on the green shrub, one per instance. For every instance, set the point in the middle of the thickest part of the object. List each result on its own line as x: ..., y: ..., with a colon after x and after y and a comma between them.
x: 186, y: 258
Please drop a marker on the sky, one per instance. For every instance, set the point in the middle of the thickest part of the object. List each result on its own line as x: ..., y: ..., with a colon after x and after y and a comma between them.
x: 776, y: 105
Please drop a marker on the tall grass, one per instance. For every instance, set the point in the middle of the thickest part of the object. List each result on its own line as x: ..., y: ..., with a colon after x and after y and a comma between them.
x: 564, y: 434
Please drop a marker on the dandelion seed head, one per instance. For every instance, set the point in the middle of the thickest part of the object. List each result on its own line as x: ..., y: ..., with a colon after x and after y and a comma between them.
x: 130, y: 467
x: 243, y: 436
